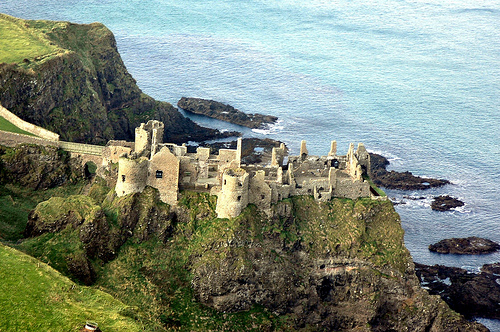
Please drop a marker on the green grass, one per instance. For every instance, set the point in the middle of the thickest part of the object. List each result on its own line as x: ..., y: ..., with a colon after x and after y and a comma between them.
x: 8, y: 126
x: 35, y: 297
x: 374, y: 186
x: 16, y: 202
x: 20, y: 42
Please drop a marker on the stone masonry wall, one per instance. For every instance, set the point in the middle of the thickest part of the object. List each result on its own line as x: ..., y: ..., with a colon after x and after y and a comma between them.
x: 164, y: 175
x: 26, y: 126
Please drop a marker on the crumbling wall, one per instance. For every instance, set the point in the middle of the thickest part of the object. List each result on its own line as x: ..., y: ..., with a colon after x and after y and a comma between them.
x: 260, y: 192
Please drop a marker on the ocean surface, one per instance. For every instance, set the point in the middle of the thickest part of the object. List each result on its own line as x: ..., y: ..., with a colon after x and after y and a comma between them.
x: 415, y: 80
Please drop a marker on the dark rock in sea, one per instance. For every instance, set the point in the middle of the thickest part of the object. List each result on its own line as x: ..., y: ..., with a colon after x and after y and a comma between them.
x: 473, y: 295
x: 445, y: 203
x: 220, y: 111
x: 491, y: 268
x: 399, y: 180
x: 465, y: 246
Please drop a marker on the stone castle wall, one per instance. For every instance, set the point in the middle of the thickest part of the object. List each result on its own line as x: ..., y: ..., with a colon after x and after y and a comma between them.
x: 26, y: 126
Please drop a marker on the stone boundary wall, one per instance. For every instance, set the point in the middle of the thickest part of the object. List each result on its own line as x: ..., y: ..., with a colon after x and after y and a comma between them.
x: 29, y: 127
x: 12, y: 139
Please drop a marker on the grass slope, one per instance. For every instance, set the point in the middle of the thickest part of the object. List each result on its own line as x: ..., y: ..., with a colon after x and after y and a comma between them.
x: 16, y: 202
x: 35, y: 297
x: 5, y: 125
x: 20, y: 42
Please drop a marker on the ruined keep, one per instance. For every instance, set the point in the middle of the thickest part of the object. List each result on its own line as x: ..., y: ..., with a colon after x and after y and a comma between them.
x: 170, y: 168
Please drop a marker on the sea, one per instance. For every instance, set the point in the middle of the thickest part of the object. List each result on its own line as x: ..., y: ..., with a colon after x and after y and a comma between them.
x: 417, y: 81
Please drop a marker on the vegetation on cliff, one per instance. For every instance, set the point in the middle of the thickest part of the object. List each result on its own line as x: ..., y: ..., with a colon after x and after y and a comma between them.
x: 70, y: 79
x: 339, y: 265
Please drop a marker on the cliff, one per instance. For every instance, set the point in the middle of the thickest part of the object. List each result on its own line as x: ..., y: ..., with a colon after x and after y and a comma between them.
x: 338, y: 265
x: 70, y: 79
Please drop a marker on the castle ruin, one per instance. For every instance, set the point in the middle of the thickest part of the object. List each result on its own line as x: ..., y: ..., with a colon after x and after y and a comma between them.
x: 170, y: 169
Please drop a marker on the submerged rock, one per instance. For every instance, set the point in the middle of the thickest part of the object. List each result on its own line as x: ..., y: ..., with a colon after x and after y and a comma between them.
x: 468, y: 246
x: 445, y: 203
x: 223, y: 112
x: 399, y: 180
x: 473, y: 295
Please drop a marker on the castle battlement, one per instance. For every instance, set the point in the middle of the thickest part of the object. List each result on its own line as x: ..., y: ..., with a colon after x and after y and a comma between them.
x: 170, y: 168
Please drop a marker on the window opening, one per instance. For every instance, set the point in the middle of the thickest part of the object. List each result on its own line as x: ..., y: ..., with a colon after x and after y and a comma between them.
x: 159, y: 174
x: 123, y: 178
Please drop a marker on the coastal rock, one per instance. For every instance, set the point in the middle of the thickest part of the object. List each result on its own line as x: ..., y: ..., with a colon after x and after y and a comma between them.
x: 85, y: 93
x: 399, y: 180
x: 465, y: 246
x: 491, y: 268
x: 473, y: 295
x: 445, y: 203
x: 223, y: 112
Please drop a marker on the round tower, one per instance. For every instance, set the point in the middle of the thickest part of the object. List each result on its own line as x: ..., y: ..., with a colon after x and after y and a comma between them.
x: 233, y: 197
x: 132, y: 175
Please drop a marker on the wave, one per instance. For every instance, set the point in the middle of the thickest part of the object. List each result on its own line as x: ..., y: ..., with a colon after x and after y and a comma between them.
x: 271, y: 128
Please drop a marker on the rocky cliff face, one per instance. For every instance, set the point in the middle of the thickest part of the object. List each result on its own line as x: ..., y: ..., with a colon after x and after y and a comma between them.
x: 38, y: 167
x: 84, y: 92
x: 338, y: 265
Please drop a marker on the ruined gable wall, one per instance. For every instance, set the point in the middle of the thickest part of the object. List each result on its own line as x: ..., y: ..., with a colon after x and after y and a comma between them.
x: 132, y: 176
x: 167, y: 184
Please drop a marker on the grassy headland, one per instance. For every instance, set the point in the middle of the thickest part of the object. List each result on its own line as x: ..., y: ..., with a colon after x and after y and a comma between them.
x: 22, y: 44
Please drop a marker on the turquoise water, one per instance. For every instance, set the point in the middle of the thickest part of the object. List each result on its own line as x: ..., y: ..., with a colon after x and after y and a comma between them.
x: 418, y: 81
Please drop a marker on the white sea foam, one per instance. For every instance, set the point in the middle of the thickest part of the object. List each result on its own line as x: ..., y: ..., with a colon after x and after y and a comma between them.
x: 270, y: 128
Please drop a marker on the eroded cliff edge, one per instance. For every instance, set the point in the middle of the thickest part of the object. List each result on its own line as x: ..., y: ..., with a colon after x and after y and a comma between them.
x: 78, y: 86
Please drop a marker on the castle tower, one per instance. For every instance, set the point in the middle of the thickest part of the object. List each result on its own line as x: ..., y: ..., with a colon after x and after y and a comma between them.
x: 303, y: 150
x: 233, y: 197
x: 132, y: 175
x: 148, y: 136
x: 142, y: 139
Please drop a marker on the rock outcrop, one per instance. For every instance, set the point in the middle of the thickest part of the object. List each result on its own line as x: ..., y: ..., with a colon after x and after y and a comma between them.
x: 471, y: 294
x: 87, y: 226
x: 83, y: 92
x: 465, y: 246
x: 223, y: 112
x: 445, y: 203
x: 38, y: 167
x: 399, y: 180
